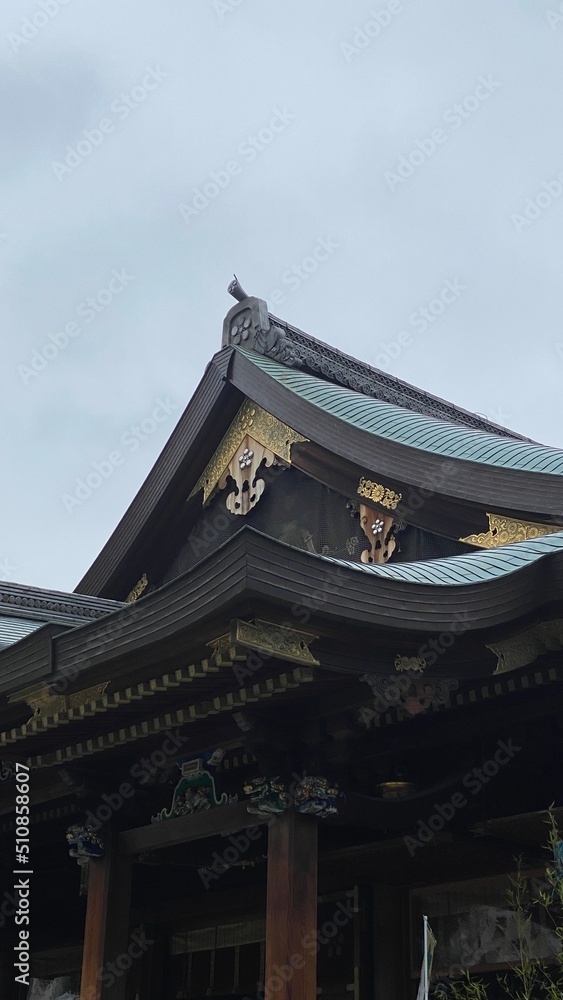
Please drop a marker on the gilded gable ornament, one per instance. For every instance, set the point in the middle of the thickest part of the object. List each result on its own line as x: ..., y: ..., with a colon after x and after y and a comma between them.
x: 255, y: 439
x: 138, y: 589
x: 382, y: 495
x: 505, y: 530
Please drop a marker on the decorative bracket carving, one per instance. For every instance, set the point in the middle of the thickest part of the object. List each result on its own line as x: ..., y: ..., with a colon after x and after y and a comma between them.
x: 270, y: 639
x: 379, y: 532
x: 43, y: 703
x: 524, y: 648
x: 258, y: 432
x: 505, y: 530
x: 243, y: 469
x: 275, y: 640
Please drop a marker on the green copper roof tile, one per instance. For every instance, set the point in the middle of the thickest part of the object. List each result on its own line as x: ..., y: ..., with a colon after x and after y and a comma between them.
x: 412, y: 429
x: 459, y: 571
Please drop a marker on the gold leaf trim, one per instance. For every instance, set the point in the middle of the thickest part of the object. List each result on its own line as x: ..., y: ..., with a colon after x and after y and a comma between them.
x: 275, y: 640
x: 414, y: 664
x: 506, y: 530
x: 137, y: 590
x: 378, y: 493
x: 251, y: 419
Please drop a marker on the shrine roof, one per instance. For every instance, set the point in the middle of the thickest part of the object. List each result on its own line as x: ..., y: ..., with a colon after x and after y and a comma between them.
x: 24, y: 608
x: 469, y: 568
x: 504, y: 589
x: 407, y: 427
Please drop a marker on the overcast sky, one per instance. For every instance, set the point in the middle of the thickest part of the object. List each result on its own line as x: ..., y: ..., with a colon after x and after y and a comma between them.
x: 151, y: 149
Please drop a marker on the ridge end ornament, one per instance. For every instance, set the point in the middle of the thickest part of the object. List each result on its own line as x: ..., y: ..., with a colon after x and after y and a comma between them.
x: 254, y: 437
x: 249, y: 325
x: 504, y: 530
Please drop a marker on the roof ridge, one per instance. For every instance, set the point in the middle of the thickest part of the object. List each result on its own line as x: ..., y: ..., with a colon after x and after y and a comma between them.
x: 336, y: 365
x: 20, y: 600
x: 249, y: 324
x: 411, y: 428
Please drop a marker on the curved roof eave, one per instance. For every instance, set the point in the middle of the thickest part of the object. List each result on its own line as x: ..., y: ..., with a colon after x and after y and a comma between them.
x: 411, y: 429
x: 467, y: 569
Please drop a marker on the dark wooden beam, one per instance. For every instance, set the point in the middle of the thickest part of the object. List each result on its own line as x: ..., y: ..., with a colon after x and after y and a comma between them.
x: 291, y: 908
x: 106, y: 935
x: 170, y: 833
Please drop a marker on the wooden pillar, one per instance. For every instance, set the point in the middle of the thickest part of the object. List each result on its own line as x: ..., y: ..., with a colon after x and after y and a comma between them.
x: 107, y: 954
x: 391, y: 943
x: 291, y: 908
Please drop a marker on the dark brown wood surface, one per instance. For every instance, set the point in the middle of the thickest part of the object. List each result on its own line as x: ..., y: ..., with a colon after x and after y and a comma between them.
x: 291, y: 908
x: 169, y: 833
x: 106, y: 934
